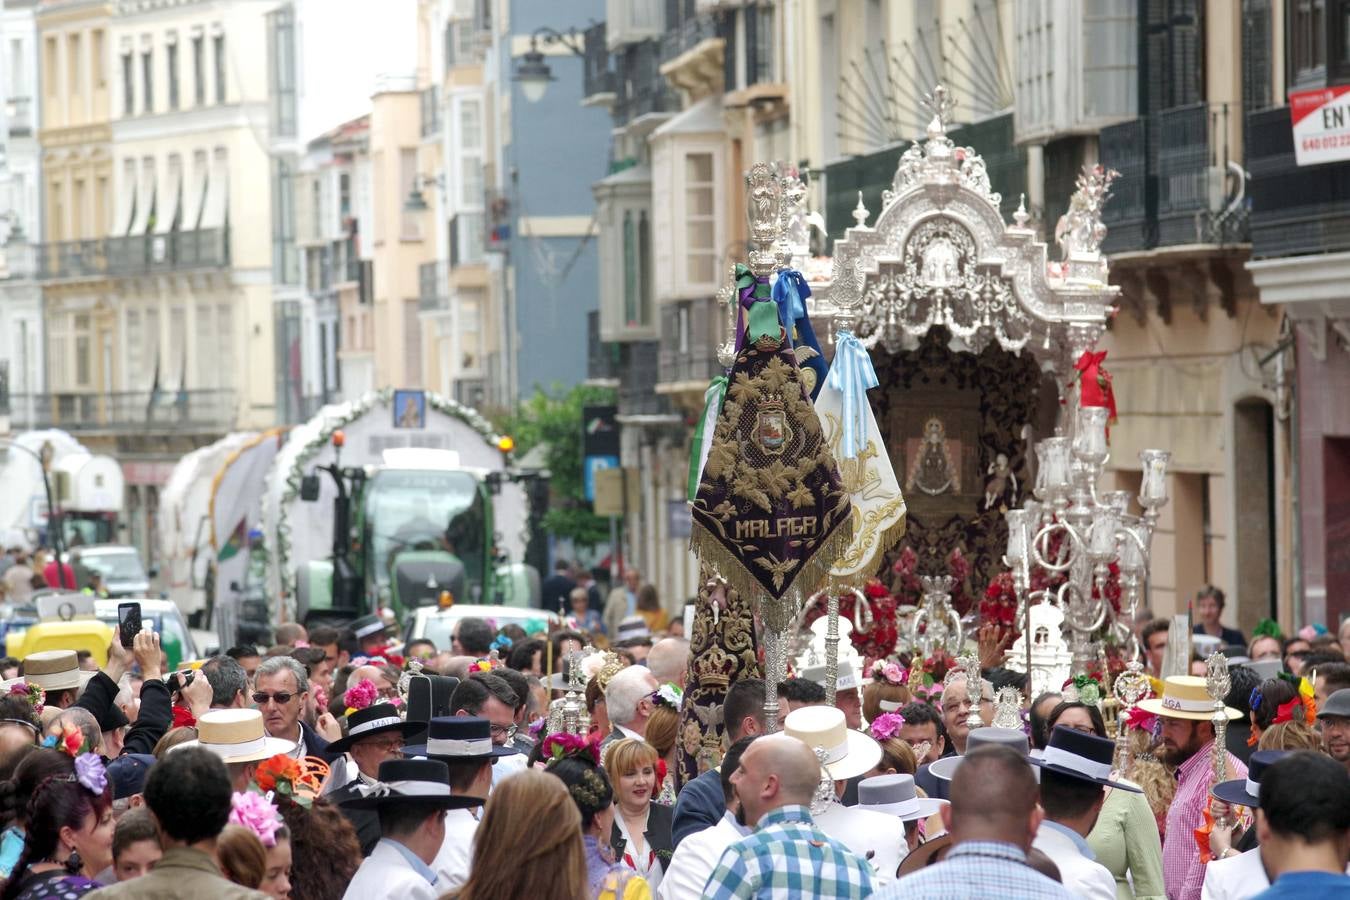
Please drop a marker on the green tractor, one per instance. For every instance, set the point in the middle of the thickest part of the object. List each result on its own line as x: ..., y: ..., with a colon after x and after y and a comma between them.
x: 415, y: 530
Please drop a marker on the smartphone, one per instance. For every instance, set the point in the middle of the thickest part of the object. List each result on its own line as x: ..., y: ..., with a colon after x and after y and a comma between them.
x: 128, y: 623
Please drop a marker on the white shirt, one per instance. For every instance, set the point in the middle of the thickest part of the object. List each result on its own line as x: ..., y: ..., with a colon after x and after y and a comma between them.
x: 647, y: 864
x: 1081, y: 876
x: 875, y: 837
x: 452, y: 862
x: 506, y: 766
x: 1235, y: 878
x: 386, y: 875
x: 696, y: 858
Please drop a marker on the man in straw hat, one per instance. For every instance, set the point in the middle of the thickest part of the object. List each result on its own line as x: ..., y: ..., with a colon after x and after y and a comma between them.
x: 1187, y: 714
x: 58, y: 674
x: 848, y: 754
x: 411, y: 797
x: 1075, y: 770
x: 237, y: 737
x: 993, y: 817
x: 787, y: 855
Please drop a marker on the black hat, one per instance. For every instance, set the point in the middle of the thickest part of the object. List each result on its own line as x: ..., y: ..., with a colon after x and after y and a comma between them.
x: 1080, y: 755
x: 459, y: 738
x: 409, y: 781
x: 374, y: 719
x: 1246, y: 791
x: 366, y: 626
x: 127, y: 774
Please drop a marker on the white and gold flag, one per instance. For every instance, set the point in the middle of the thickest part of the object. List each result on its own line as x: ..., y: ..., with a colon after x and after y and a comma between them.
x: 851, y: 431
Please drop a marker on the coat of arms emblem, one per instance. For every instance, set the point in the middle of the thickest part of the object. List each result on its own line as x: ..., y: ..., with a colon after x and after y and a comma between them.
x: 771, y: 427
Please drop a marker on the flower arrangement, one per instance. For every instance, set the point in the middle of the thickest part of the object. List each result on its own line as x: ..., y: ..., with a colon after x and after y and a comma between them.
x: 1138, y: 718
x: 277, y: 773
x: 1085, y: 688
x: 878, y: 640
x: 71, y: 741
x: 887, y: 726
x: 668, y: 695
x: 32, y: 693
x: 252, y: 811
x: 888, y: 672
x: 999, y: 604
x: 561, y: 744
x: 298, y: 779
x: 487, y: 664
x: 360, y: 695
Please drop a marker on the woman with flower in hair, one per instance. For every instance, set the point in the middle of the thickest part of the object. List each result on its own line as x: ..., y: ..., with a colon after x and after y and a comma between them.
x: 593, y: 795
x: 886, y: 690
x: 663, y: 727
x: 897, y: 756
x: 68, y: 838
x: 253, y: 811
x: 641, y: 836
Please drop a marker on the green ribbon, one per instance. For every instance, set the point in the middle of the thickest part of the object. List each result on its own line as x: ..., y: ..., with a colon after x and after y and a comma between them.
x: 703, y: 433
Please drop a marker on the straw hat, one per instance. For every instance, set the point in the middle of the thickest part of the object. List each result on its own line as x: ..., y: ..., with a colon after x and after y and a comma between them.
x: 848, y: 753
x: 237, y: 736
x: 54, y: 670
x: 1185, y: 697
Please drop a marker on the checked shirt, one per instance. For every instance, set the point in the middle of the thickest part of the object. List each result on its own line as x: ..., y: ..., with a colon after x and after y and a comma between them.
x: 977, y: 870
x: 788, y: 858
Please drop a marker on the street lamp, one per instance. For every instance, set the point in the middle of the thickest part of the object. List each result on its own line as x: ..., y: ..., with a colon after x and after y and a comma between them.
x: 532, y: 73
x: 417, y: 201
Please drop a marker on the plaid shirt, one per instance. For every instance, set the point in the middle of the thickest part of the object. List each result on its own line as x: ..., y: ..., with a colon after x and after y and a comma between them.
x: 1183, y: 873
x: 977, y: 870
x: 787, y: 858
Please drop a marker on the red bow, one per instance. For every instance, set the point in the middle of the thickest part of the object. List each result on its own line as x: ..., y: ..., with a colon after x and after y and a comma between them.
x: 660, y: 774
x: 1094, y: 383
x: 183, y: 717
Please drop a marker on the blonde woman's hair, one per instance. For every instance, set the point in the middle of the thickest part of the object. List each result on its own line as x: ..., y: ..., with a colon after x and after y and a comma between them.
x: 877, y: 691
x: 243, y: 858
x: 898, y: 755
x: 626, y: 756
x: 1150, y: 773
x: 662, y: 729
x: 172, y: 738
x: 1294, y: 735
x: 528, y: 843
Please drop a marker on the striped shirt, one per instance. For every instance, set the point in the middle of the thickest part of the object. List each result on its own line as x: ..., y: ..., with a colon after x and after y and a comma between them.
x: 1183, y: 873
x: 977, y: 870
x: 789, y: 858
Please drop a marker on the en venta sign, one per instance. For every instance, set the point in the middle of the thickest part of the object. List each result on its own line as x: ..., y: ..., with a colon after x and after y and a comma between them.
x: 1321, y: 122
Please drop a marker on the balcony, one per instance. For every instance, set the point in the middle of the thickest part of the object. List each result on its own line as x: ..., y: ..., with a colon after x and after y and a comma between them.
x: 433, y: 288
x: 18, y: 260
x: 597, y: 70
x: 19, y: 112
x: 631, y: 21
x: 468, y: 242
x: 429, y: 104
x: 602, y: 359
x: 639, y: 88
x: 1175, y: 187
x: 639, y: 370
x: 691, y: 332
x: 165, y: 410
x: 693, y: 56
x: 1294, y: 209
x: 137, y: 255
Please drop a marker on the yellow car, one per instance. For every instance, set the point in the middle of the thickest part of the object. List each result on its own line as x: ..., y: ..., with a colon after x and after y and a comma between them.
x: 73, y: 634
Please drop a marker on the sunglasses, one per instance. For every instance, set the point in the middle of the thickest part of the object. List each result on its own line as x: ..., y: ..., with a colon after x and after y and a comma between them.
x: 281, y: 697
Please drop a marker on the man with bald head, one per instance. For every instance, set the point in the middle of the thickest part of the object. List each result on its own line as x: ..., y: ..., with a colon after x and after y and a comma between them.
x: 787, y: 855
x: 668, y: 660
x: 993, y: 818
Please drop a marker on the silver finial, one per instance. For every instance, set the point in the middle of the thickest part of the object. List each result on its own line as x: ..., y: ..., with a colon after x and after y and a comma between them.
x: 1021, y: 216
x: 860, y: 213
x: 940, y: 104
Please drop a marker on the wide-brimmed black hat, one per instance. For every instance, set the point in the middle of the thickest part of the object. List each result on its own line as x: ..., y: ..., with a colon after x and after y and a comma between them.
x: 459, y: 738
x: 374, y: 719
x: 409, y: 781
x: 1247, y: 791
x: 367, y: 626
x: 1077, y: 754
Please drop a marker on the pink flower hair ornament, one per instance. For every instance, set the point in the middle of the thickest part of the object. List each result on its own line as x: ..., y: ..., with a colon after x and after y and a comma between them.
x: 887, y: 672
x: 254, y: 812
x: 887, y: 726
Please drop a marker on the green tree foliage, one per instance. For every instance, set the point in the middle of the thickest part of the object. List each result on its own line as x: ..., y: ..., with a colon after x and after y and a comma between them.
x: 553, y: 419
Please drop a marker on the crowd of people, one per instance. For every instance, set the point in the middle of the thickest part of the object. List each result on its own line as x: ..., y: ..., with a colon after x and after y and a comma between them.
x: 339, y: 763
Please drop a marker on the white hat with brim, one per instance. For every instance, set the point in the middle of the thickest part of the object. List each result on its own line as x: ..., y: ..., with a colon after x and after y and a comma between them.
x: 848, y: 753
x: 55, y: 670
x: 895, y: 795
x: 1185, y: 697
x: 237, y: 736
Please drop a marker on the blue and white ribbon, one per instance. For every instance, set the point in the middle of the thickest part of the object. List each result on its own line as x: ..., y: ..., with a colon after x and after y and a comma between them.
x: 852, y: 375
x: 790, y: 291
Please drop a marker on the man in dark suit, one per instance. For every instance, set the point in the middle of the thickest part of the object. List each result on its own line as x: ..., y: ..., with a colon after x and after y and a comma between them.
x: 280, y: 695
x: 555, y: 588
x: 701, y: 803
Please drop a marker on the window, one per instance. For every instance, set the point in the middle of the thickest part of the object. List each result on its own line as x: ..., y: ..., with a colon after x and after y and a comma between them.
x: 128, y: 85
x: 281, y: 68
x: 172, y: 52
x: 148, y: 80
x: 470, y: 180
x: 471, y: 125
x: 1307, y: 48
x: 100, y: 60
x: 285, y: 266
x: 407, y: 179
x: 50, y: 65
x: 135, y: 356
x: 74, y: 61
x: 630, y: 269
x: 344, y: 195
x: 218, y: 47
x: 700, y: 239
x: 84, y: 362
x: 1338, y: 47
x: 199, y: 70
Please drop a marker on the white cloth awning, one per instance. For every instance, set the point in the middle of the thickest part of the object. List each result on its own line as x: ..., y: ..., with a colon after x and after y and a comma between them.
x: 169, y: 198
x: 216, y: 204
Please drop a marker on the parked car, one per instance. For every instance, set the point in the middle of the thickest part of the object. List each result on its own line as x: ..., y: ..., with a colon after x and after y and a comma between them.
x: 26, y: 632
x: 438, y: 625
x: 123, y: 574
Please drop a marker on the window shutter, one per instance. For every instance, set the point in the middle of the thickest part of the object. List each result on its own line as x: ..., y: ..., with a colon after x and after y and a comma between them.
x: 1255, y: 54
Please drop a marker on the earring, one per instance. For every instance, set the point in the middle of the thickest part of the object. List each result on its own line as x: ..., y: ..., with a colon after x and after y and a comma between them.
x: 73, y: 862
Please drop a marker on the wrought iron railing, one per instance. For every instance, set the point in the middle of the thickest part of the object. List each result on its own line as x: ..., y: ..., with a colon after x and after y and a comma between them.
x: 166, y: 409
x: 1294, y: 209
x: 640, y: 368
x: 597, y: 71
x: 687, y: 35
x: 19, y: 112
x: 1124, y: 148
x: 134, y: 255
x: 433, y: 287
x: 639, y: 86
